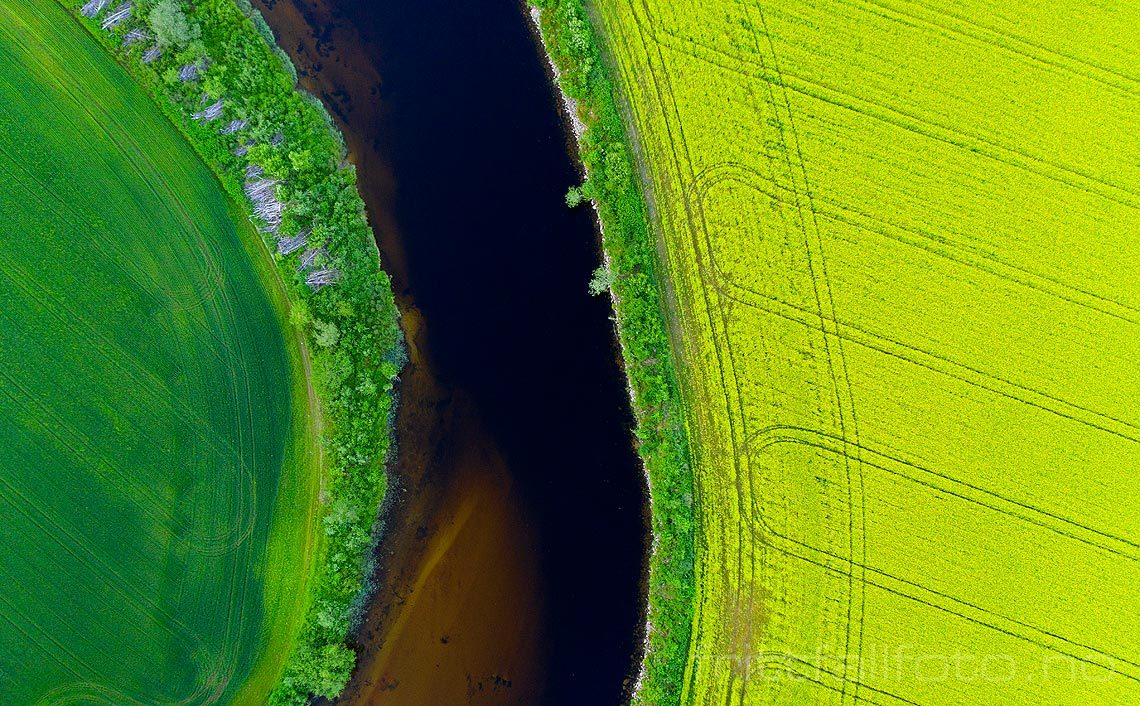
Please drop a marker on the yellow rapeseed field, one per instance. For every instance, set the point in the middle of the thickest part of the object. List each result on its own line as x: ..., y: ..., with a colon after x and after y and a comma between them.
x: 903, y: 241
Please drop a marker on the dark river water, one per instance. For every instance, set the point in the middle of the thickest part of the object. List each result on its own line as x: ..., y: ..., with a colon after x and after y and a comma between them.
x: 512, y: 563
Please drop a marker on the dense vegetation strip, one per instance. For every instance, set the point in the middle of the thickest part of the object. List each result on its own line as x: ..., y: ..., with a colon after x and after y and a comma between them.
x: 632, y: 273
x: 213, y: 68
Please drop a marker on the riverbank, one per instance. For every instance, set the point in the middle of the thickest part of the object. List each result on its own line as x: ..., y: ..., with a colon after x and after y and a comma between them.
x: 216, y: 74
x: 457, y: 563
x: 632, y: 269
x: 575, y: 130
x: 448, y: 113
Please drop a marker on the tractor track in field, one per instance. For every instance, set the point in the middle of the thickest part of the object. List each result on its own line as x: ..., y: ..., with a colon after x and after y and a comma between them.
x: 232, y: 431
x: 990, y: 263
x: 728, y: 286
x: 722, y: 303
x: 1013, y: 157
x: 741, y: 473
x: 844, y: 395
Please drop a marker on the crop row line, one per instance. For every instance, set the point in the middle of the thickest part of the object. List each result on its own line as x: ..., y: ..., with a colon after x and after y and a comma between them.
x: 987, y: 262
x: 1045, y: 167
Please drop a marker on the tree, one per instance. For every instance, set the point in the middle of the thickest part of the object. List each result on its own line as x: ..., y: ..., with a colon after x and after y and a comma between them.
x: 335, y: 667
x: 616, y: 168
x: 325, y: 333
x: 573, y: 196
x: 171, y: 28
x: 601, y: 281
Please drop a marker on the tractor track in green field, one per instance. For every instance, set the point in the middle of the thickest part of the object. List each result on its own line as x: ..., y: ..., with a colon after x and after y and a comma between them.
x: 180, y: 597
x: 140, y: 155
x: 238, y: 533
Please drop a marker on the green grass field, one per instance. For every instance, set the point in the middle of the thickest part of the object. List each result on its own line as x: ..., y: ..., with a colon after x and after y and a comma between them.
x: 157, y: 483
x: 902, y: 243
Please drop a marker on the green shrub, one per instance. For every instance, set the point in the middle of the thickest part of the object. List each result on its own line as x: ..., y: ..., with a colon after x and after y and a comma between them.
x: 171, y: 29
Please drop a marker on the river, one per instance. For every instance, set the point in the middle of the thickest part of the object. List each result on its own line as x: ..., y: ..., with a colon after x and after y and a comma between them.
x: 512, y: 562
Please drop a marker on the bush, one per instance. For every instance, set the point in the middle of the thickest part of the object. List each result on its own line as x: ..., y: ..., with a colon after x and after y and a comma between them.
x: 601, y: 281
x: 171, y: 29
x: 573, y: 196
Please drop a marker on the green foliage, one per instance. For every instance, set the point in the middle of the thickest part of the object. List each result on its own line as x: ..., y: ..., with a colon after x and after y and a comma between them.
x: 171, y: 29
x: 601, y: 280
x: 357, y: 345
x: 325, y: 334
x: 322, y: 672
x: 574, y: 196
x: 632, y: 275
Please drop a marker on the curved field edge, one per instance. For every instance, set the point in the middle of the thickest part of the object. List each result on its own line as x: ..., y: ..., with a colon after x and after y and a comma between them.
x: 632, y: 272
x: 294, y: 523
x: 139, y: 459
x: 355, y: 346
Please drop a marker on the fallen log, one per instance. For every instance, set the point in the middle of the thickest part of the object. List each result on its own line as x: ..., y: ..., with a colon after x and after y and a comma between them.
x: 93, y: 8
x: 117, y: 16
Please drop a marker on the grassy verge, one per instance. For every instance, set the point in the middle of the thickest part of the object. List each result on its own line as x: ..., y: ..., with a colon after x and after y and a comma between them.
x: 632, y: 275
x: 351, y: 327
x: 294, y: 542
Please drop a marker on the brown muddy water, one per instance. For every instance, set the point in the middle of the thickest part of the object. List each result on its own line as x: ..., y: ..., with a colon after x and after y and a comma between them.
x: 512, y: 562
